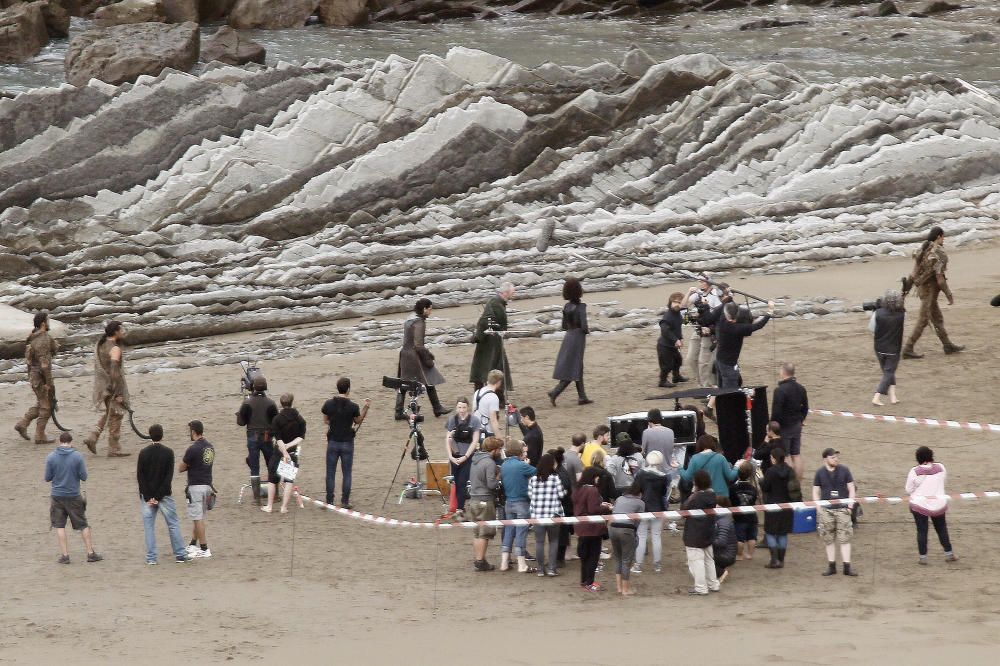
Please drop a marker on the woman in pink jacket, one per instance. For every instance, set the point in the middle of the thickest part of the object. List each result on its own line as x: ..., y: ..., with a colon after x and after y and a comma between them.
x: 925, y: 486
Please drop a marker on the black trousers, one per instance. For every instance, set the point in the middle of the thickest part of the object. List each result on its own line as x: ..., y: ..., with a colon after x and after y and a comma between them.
x: 670, y: 360
x: 940, y: 526
x: 589, y: 550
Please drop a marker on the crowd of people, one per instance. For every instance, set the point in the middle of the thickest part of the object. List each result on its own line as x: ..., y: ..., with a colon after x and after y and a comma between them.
x: 517, y: 477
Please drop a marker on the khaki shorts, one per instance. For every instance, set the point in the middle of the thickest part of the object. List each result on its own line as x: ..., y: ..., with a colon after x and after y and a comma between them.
x: 480, y: 510
x: 834, y: 525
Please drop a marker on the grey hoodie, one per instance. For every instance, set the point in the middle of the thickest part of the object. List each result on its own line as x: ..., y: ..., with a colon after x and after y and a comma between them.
x: 483, y: 476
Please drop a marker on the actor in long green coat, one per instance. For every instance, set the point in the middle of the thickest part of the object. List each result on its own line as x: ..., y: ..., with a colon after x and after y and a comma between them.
x: 490, y: 354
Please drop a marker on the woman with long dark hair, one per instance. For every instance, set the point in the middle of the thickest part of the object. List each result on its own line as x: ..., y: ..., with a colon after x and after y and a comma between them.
x: 111, y: 397
x: 545, y: 492
x: 587, y: 502
x: 568, y: 480
x: 928, y: 277
x: 777, y: 524
x: 569, y: 362
x: 416, y: 362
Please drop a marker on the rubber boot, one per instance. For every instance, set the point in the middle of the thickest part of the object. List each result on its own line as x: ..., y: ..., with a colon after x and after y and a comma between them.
x: 773, y: 564
x: 831, y: 569
x: 848, y: 571
x: 255, y: 486
x: 504, y: 561
x: 581, y: 394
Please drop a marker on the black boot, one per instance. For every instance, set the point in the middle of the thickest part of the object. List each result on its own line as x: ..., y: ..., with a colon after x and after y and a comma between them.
x: 554, y: 393
x: 432, y: 394
x: 773, y: 564
x: 781, y: 556
x: 831, y: 569
x: 255, y: 486
x: 400, y: 399
x: 581, y: 394
x: 848, y: 571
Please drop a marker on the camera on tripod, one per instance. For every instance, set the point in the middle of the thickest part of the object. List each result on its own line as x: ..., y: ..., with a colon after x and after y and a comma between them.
x: 409, y: 387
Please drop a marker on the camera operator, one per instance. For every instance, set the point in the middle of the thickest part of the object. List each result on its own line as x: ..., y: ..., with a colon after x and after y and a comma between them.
x: 699, y: 301
x: 887, y: 325
x: 256, y: 413
x: 460, y: 442
x: 730, y: 336
x: 486, y: 404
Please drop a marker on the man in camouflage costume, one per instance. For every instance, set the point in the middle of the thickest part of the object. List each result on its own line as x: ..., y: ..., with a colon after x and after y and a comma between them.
x: 930, y: 265
x: 40, y: 350
x: 110, y: 390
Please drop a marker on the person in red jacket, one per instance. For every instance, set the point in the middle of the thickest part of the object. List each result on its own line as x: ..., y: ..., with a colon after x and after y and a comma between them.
x: 587, y: 502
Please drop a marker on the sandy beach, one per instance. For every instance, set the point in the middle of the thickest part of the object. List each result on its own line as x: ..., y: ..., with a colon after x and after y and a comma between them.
x: 312, y: 587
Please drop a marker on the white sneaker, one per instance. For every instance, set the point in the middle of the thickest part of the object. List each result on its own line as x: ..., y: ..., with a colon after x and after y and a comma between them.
x: 672, y: 527
x: 605, y: 556
x: 636, y: 569
x: 203, y: 553
x: 191, y: 550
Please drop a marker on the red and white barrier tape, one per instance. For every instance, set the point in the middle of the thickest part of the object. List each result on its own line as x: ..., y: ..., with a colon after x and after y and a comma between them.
x: 910, y: 420
x: 626, y: 517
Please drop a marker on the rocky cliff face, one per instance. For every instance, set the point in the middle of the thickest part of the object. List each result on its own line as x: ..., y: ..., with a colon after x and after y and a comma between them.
x: 243, y: 199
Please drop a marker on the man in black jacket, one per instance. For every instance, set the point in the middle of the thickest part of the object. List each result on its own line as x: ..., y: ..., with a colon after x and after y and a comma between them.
x: 671, y: 340
x: 789, y: 408
x: 256, y: 413
x: 155, y: 472
x: 698, y: 535
x: 730, y: 335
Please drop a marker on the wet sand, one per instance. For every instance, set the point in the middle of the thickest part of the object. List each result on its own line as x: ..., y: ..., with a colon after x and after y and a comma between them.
x: 313, y: 587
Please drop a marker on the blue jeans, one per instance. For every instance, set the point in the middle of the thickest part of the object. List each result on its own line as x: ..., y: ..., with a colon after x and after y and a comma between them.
x: 461, y: 474
x: 776, y: 540
x: 516, y: 536
x: 168, y: 510
x: 255, y: 447
x: 344, y: 452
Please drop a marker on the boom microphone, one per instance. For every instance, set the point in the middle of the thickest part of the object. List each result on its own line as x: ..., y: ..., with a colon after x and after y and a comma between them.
x: 545, y: 235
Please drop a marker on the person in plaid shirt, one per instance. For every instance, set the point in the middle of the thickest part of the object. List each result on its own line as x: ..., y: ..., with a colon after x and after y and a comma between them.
x: 545, y: 492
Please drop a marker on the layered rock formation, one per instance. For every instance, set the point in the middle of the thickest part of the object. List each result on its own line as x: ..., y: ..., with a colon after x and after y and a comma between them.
x: 122, y: 53
x: 245, y: 199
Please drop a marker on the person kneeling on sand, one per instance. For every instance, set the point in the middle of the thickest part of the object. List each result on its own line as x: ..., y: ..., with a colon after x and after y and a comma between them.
x: 483, y: 481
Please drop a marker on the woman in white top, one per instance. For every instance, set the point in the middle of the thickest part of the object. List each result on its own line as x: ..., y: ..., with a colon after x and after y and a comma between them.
x: 928, y: 503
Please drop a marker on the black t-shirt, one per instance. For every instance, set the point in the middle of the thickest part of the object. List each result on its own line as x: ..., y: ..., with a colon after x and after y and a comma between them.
x: 199, y: 459
x: 535, y: 442
x: 833, y: 482
x: 341, y: 413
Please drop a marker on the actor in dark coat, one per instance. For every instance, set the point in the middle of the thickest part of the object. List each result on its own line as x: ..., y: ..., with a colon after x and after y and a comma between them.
x: 569, y: 361
x: 416, y: 362
x: 490, y: 353
x: 777, y: 524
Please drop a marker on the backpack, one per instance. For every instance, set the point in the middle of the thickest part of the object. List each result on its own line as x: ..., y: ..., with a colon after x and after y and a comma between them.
x: 620, y: 471
x: 745, y: 495
x: 794, y: 488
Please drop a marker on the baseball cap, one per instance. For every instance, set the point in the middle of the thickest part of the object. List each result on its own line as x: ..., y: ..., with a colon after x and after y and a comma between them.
x: 830, y: 452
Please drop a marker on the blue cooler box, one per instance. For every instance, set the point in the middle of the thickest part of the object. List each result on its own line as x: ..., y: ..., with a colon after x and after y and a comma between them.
x: 804, y: 521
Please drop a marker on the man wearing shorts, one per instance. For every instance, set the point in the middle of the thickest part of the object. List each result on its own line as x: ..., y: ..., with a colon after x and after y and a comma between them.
x: 833, y: 481
x: 65, y: 469
x: 483, y: 481
x: 790, y: 409
x: 197, y: 462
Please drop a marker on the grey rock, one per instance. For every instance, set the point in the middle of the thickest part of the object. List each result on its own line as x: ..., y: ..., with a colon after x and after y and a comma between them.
x: 343, y: 12
x: 23, y: 32
x: 938, y: 7
x: 181, y: 11
x: 981, y: 37
x: 123, y: 53
x: 271, y: 14
x: 130, y: 11
x: 228, y: 46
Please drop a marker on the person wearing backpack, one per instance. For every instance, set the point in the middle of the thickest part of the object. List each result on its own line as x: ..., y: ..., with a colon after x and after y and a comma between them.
x: 625, y: 462
x: 776, y: 487
x: 745, y: 492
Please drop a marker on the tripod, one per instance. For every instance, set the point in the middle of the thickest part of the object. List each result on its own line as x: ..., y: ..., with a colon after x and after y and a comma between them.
x: 415, y: 439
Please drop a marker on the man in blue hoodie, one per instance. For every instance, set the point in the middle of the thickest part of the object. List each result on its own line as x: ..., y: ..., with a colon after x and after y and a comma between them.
x: 65, y: 469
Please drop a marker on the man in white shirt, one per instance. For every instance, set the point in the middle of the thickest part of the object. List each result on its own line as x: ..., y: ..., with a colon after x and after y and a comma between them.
x: 487, y: 405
